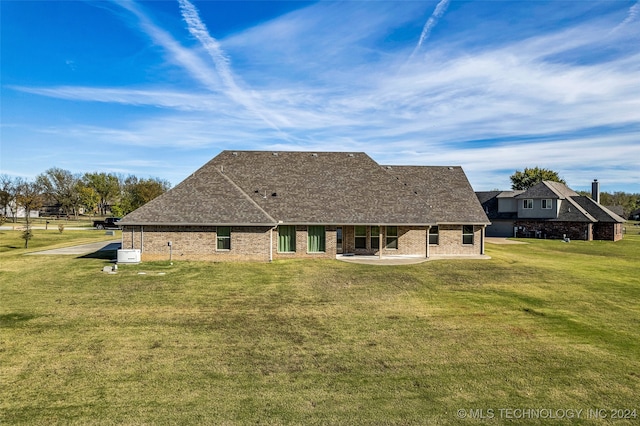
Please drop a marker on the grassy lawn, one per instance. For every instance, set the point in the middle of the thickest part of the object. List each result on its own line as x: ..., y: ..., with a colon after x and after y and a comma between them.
x: 546, y: 325
x: 53, y: 222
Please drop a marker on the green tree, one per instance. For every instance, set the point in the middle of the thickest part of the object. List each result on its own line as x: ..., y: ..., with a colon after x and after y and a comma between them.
x: 106, y: 186
x: 137, y: 192
x: 532, y: 176
x: 62, y: 187
x: 89, y: 198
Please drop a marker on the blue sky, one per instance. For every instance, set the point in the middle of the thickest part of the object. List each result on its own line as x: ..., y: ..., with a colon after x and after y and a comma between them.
x: 158, y: 88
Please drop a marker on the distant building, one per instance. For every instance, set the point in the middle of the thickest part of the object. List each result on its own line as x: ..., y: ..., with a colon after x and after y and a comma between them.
x: 550, y: 210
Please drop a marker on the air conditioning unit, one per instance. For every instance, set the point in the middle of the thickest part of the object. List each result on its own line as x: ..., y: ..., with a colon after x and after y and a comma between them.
x: 129, y: 256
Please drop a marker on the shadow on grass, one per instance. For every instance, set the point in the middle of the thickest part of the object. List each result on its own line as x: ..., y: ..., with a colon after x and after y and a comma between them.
x: 14, y: 318
x: 108, y: 252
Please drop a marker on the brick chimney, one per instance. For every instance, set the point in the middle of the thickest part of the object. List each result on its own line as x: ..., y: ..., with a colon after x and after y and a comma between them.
x: 595, y: 191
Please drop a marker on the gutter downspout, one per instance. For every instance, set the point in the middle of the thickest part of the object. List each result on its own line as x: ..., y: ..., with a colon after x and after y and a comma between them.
x: 428, y: 232
x: 482, y: 239
x: 271, y: 245
x: 380, y: 242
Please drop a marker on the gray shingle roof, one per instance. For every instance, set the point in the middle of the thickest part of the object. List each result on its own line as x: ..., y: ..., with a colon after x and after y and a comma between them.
x: 598, y: 211
x: 206, y: 197
x: 446, y: 191
x: 323, y: 187
x: 548, y: 189
x: 266, y: 188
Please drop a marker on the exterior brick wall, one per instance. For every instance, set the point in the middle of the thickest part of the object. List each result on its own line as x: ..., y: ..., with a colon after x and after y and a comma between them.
x: 450, y: 242
x: 607, y: 231
x: 254, y: 243
x: 411, y: 241
x: 197, y: 243
x: 302, y: 246
x: 573, y: 230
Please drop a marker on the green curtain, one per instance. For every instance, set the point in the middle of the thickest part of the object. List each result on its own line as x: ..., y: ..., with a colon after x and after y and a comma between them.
x: 316, y: 239
x: 286, y: 238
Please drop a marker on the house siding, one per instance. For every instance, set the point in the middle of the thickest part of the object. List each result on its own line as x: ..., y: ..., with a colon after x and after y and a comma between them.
x: 537, y: 211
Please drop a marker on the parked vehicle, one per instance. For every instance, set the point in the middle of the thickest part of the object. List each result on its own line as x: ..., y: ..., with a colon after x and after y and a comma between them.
x: 107, y: 223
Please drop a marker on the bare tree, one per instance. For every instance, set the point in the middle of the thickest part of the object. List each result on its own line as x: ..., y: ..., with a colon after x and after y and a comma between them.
x: 30, y: 199
x: 9, y: 190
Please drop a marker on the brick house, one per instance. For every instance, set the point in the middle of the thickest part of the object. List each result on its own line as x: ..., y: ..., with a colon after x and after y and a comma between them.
x: 261, y: 206
x: 550, y: 210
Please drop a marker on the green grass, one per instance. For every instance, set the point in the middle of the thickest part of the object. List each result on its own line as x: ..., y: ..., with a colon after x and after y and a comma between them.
x: 547, y: 325
x: 80, y: 222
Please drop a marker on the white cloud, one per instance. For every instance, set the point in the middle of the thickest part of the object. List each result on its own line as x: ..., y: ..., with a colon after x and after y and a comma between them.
x: 320, y: 78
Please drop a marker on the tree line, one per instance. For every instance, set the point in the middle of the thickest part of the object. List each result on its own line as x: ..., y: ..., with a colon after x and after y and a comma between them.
x: 96, y: 192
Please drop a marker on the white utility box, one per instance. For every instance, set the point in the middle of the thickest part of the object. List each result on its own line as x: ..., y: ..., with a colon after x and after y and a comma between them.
x: 129, y: 256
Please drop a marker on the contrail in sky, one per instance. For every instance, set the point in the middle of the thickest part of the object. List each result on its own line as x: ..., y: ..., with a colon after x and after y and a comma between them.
x: 198, y: 29
x: 634, y: 11
x: 441, y: 8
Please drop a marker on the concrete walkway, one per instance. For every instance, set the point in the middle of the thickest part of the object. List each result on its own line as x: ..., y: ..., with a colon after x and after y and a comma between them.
x: 501, y: 240
x: 402, y: 260
x: 81, y: 249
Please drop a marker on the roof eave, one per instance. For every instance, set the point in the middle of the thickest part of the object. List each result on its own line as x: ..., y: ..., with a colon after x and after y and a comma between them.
x: 270, y: 224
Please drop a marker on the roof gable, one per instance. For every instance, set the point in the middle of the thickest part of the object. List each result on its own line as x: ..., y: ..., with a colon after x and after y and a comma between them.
x: 206, y: 197
x: 548, y: 189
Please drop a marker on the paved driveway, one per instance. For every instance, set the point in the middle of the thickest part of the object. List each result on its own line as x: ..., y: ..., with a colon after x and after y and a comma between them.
x: 82, y: 249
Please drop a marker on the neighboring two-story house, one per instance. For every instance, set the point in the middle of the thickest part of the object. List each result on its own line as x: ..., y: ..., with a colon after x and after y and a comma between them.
x: 550, y: 210
x: 262, y: 206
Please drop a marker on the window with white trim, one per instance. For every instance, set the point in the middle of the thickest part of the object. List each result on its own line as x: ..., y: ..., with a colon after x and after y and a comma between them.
x: 361, y: 237
x: 434, y: 236
x: 547, y: 203
x: 224, y: 238
x: 375, y: 237
x: 527, y: 204
x: 392, y: 237
x: 467, y: 234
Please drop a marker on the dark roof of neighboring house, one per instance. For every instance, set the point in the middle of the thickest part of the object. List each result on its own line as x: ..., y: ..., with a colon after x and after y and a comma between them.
x: 619, y: 210
x: 598, y: 211
x: 572, y: 211
x: 548, y: 189
x: 489, y: 202
x: 446, y: 191
x: 267, y: 188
